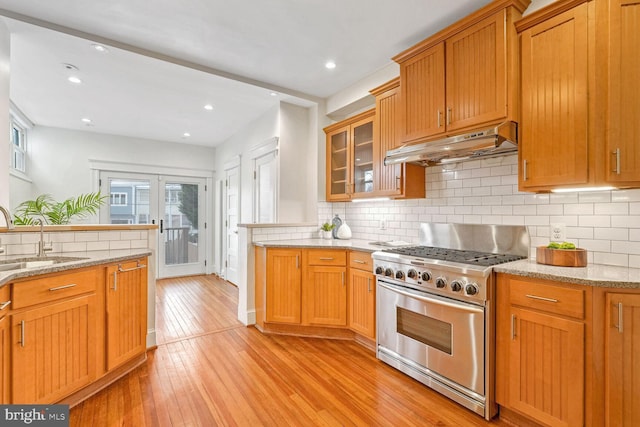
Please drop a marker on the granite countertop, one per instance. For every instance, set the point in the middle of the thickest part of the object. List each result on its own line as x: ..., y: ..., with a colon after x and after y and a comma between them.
x: 607, y: 276
x: 354, y: 244
x: 88, y: 259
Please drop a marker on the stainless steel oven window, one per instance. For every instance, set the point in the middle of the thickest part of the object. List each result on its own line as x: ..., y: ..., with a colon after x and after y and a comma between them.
x: 427, y: 330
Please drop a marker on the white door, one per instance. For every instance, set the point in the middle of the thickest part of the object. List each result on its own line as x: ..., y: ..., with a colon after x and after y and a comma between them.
x: 141, y: 198
x: 265, y: 188
x: 232, y: 216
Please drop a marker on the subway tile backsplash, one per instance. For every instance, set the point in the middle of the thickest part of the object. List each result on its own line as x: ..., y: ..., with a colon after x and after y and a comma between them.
x: 606, y: 223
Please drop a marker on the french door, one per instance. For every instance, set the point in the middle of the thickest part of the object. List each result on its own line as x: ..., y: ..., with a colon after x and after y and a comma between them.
x: 231, y: 217
x: 175, y: 204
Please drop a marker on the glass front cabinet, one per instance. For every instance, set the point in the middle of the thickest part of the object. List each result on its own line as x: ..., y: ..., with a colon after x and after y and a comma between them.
x: 350, y: 158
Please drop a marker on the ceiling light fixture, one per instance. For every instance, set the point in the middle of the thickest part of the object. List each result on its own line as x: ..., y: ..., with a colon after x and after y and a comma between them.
x: 330, y: 65
x: 273, y: 94
x: 75, y: 80
x: 186, y: 135
x: 208, y: 107
x: 100, y: 48
x: 86, y: 120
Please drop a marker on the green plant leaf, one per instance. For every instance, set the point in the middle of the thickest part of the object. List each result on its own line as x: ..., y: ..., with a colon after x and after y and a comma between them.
x: 52, y: 212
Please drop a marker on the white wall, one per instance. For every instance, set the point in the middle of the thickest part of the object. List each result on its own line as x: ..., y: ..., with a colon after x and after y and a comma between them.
x: 5, y: 49
x: 58, y: 159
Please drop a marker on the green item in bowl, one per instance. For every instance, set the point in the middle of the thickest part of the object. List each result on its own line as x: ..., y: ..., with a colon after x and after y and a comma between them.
x: 563, y: 245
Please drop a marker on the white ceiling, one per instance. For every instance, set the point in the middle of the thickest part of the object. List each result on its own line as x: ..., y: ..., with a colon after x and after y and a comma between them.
x: 276, y: 45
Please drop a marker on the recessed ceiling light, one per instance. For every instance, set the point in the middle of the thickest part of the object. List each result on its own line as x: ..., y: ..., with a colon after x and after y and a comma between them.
x: 100, y: 48
x: 75, y: 79
x: 86, y: 120
x: 273, y: 94
x: 330, y: 65
x: 208, y: 107
x: 186, y: 135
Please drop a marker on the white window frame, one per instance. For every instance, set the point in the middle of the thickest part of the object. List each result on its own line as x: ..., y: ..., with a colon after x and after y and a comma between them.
x: 19, y: 149
x: 120, y: 197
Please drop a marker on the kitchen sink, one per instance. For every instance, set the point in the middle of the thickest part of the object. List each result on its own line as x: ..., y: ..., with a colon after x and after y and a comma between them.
x: 21, y: 263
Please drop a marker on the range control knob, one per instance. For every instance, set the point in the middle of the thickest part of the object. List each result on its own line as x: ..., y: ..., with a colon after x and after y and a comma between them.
x: 471, y: 289
x: 456, y: 286
x: 441, y: 282
x: 412, y: 274
x: 400, y: 275
x: 379, y: 270
x: 388, y: 272
x: 426, y: 276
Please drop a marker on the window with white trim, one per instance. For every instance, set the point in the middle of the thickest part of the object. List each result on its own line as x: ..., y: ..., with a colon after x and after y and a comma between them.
x: 118, y: 199
x: 18, y: 140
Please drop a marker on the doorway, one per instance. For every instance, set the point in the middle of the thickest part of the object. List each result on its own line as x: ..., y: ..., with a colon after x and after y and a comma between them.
x: 176, y: 204
x: 231, y: 215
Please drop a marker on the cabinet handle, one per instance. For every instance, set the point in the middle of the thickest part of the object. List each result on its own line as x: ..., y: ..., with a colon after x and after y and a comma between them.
x: 513, y: 327
x: 4, y: 305
x: 439, y: 115
x: 22, y: 326
x: 449, y: 115
x: 619, y: 325
x: 58, y: 288
x: 357, y: 261
x: 616, y: 153
x: 524, y: 170
x: 297, y: 262
x: 326, y: 259
x: 343, y: 279
x: 115, y: 281
x: 369, y: 285
x: 541, y: 298
x: 125, y: 270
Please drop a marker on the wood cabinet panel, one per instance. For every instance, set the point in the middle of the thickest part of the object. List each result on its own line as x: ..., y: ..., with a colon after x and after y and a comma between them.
x: 361, y: 261
x: 53, y: 287
x: 476, y: 67
x: 53, y: 350
x: 362, y: 302
x: 283, y: 286
x: 622, y: 360
x: 623, y: 150
x: 553, y: 148
x: 126, y: 297
x: 5, y: 354
x: 423, y: 95
x: 324, y: 292
x: 549, y: 298
x: 547, y: 368
x: 326, y: 257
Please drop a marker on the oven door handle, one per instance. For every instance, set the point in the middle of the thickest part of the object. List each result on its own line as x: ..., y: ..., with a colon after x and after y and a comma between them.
x: 433, y: 299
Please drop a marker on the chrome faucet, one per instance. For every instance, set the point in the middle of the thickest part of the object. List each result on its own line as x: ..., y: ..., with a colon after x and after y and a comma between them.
x: 7, y: 217
x: 42, y: 249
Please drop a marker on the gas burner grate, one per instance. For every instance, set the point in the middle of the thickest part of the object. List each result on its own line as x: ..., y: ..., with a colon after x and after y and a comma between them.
x: 484, y: 259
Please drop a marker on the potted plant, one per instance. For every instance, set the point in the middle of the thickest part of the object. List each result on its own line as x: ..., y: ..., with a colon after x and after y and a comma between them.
x: 326, y: 230
x: 50, y: 211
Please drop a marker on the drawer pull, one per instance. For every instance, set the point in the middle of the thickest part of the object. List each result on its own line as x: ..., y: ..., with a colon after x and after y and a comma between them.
x: 326, y: 259
x: 513, y: 327
x: 22, y: 325
x: 620, y: 316
x: 4, y: 305
x: 357, y: 261
x: 59, y: 288
x: 541, y: 298
x: 125, y: 270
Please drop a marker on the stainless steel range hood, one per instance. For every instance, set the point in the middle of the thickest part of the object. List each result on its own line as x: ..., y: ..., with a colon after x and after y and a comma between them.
x: 499, y: 140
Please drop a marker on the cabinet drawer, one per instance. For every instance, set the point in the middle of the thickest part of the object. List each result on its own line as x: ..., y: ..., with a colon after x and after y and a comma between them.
x: 361, y: 261
x: 53, y: 287
x: 5, y: 299
x: 326, y: 257
x: 549, y: 298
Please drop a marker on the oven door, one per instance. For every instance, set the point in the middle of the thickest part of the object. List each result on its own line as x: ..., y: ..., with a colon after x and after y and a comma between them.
x: 441, y: 338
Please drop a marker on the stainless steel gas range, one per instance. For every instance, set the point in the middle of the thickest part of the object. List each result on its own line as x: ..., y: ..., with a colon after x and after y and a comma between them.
x: 435, y: 307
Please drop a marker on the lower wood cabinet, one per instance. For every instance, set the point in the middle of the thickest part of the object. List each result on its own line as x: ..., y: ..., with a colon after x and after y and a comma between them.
x: 126, y: 302
x: 362, y: 294
x: 5, y: 354
x: 622, y: 359
x: 541, y: 330
x: 324, y: 293
x: 283, y: 286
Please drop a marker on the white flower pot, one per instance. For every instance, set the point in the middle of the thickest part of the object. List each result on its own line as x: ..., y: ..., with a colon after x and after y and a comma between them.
x: 327, y: 234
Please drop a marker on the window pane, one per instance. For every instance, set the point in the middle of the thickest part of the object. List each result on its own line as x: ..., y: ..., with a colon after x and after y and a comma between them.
x: 129, y: 201
x: 181, y: 223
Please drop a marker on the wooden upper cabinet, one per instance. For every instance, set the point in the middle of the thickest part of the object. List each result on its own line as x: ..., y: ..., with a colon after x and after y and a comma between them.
x: 476, y: 74
x: 623, y: 147
x: 423, y: 95
x: 350, y: 154
x: 462, y: 77
x: 554, y: 140
x: 399, y: 180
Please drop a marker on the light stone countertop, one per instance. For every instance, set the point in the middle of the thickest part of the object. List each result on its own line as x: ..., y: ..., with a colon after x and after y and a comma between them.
x: 90, y: 258
x: 354, y: 244
x: 607, y: 276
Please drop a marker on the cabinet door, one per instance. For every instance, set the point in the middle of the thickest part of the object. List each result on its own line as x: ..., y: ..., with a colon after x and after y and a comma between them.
x: 547, y: 368
x: 553, y: 146
x: 362, y: 166
x: 283, y: 285
x: 5, y: 344
x: 362, y: 297
x: 622, y: 359
x: 623, y: 149
x: 126, y: 312
x: 53, y: 350
x: 387, y: 137
x: 338, y: 161
x: 476, y: 74
x: 325, y: 296
x: 423, y: 91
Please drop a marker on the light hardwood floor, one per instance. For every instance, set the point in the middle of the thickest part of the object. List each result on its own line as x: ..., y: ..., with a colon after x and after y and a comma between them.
x: 211, y: 370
